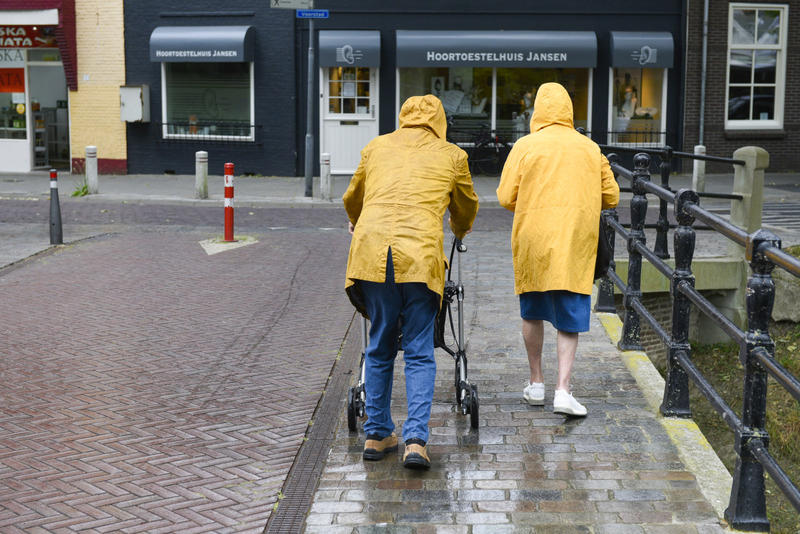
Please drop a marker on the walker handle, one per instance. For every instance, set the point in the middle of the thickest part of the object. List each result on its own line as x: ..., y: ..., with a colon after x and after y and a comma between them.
x: 460, y: 246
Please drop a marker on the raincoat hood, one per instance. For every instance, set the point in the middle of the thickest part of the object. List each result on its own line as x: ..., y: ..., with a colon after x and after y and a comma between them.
x: 425, y: 112
x: 552, y: 106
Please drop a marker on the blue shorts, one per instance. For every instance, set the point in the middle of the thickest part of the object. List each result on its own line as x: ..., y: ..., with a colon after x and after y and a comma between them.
x: 567, y: 311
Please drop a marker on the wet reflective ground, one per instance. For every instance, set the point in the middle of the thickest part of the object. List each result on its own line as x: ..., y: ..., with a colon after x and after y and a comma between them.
x: 524, y: 469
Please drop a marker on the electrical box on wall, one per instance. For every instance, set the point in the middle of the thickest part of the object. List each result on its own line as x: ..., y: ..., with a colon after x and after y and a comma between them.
x: 134, y: 103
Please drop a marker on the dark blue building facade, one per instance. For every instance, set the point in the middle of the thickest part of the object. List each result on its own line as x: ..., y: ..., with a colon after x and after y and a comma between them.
x: 234, y: 82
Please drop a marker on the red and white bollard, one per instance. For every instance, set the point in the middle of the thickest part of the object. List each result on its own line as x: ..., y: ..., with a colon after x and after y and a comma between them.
x: 229, y: 203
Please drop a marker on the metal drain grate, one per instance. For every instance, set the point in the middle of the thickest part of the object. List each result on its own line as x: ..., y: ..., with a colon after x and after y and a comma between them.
x: 301, y: 483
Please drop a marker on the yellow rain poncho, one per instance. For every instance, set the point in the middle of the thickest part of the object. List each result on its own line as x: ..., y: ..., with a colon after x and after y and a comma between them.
x: 556, y: 181
x: 398, y: 196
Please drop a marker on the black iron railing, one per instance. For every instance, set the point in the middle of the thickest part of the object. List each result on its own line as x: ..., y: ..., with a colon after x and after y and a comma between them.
x: 747, y: 505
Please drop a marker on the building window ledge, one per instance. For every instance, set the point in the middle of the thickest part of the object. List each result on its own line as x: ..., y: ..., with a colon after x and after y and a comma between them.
x: 755, y: 134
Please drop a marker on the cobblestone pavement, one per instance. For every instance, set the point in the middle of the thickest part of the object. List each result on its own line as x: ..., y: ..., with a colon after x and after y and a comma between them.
x: 524, y: 469
x: 148, y: 387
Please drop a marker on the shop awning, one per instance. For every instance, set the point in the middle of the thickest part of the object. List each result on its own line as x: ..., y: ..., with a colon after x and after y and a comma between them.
x: 211, y: 44
x: 642, y: 49
x: 346, y: 48
x: 526, y: 49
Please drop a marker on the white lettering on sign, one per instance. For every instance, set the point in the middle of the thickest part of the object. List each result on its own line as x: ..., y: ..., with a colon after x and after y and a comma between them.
x: 532, y: 57
x: 197, y: 53
x: 11, y: 58
x: 16, y: 41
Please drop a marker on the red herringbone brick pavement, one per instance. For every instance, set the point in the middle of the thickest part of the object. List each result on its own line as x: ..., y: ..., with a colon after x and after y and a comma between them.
x: 148, y: 387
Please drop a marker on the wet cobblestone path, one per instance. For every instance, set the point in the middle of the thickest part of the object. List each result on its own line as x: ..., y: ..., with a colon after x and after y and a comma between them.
x: 524, y: 469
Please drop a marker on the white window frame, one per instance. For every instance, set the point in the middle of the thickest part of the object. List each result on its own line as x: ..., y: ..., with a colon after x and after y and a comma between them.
x: 780, y: 68
x: 206, y: 137
x: 324, y: 76
x: 662, y: 128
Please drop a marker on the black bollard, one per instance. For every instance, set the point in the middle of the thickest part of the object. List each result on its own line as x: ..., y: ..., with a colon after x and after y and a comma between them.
x: 56, y: 235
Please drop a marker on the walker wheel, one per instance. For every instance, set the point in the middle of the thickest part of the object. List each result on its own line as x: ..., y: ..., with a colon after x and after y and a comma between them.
x: 474, y: 406
x: 351, y: 410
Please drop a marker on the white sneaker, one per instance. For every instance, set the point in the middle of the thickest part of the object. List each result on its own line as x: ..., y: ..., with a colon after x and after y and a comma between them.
x: 565, y: 403
x: 534, y: 394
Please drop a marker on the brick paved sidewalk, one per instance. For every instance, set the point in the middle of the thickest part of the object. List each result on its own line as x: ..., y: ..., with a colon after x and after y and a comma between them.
x: 525, y: 469
x: 148, y: 387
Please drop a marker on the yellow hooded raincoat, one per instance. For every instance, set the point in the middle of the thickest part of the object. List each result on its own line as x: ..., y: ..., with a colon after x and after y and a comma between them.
x: 398, y: 196
x: 556, y: 181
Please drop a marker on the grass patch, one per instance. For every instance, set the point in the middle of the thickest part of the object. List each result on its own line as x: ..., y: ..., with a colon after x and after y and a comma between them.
x: 720, y: 364
x: 81, y: 189
x: 793, y: 250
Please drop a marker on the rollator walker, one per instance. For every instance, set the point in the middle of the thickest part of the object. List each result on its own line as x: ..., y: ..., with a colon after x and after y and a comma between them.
x: 466, y: 393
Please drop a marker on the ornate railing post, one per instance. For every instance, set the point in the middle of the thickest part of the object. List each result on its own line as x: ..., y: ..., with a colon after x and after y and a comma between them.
x: 747, y: 507
x: 662, y: 226
x: 631, y: 327
x: 605, y: 287
x: 676, y: 387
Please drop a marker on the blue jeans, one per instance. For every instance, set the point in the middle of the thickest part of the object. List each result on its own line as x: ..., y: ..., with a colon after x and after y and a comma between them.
x: 386, y: 302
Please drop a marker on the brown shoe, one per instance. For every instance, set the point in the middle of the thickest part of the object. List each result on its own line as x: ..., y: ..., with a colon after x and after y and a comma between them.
x: 416, y: 457
x: 376, y: 449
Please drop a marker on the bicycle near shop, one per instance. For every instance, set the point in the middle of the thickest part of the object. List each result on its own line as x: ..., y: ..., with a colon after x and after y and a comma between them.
x: 486, y: 149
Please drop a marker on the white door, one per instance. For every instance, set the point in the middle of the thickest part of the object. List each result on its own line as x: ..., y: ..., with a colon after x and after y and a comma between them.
x: 348, y: 113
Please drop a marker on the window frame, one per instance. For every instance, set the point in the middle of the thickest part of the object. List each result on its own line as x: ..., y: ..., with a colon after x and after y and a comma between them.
x: 206, y: 137
x: 780, y: 68
x: 370, y: 113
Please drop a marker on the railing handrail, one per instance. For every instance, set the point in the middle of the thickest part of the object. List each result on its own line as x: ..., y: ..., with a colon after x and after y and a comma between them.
x: 747, y: 507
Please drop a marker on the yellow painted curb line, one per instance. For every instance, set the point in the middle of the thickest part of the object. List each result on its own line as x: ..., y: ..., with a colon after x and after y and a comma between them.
x: 694, y: 450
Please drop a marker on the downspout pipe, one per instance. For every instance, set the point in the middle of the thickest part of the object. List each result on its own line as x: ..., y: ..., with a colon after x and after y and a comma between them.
x: 703, y: 74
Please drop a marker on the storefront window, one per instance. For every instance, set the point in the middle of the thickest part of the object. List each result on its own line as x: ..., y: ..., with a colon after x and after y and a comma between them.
x: 12, y: 116
x: 44, y: 54
x: 637, y: 106
x: 12, y: 94
x: 465, y: 92
x: 516, y: 92
x: 208, y: 100
x: 348, y: 90
x: 468, y: 99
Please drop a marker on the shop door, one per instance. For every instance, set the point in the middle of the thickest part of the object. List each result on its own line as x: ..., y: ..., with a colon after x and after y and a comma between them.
x: 348, y: 114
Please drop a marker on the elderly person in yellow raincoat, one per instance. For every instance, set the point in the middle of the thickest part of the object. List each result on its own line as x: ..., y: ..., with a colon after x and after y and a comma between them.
x: 556, y: 181
x: 396, y: 201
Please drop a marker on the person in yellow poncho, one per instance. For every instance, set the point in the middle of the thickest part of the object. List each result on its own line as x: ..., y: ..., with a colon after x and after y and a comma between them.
x: 556, y: 181
x: 396, y: 201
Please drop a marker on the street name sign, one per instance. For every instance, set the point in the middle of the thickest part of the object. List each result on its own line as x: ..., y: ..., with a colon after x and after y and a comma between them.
x: 312, y: 13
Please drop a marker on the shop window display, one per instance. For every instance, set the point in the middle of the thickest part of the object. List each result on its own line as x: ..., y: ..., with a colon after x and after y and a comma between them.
x: 465, y: 92
x: 516, y: 92
x: 637, y: 106
x: 12, y: 116
x: 208, y: 100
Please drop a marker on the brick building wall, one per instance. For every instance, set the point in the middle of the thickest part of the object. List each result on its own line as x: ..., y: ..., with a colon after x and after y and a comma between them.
x: 781, y: 145
x: 94, y: 107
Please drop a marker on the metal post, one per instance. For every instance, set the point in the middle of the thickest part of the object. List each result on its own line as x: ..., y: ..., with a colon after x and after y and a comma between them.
x: 91, y: 170
x: 228, y: 193
x: 662, y: 226
x: 631, y: 327
x: 605, y: 287
x: 201, y: 174
x: 325, y: 176
x: 699, y: 170
x: 310, y: 110
x: 676, y: 386
x: 747, y: 508
x: 56, y: 235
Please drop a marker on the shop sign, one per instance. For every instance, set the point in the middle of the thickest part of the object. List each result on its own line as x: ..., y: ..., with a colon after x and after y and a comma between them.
x: 28, y: 37
x: 521, y: 49
x: 12, y: 80
x: 11, y: 58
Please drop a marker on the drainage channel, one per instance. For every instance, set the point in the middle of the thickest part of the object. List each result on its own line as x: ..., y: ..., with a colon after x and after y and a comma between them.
x: 301, y: 483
